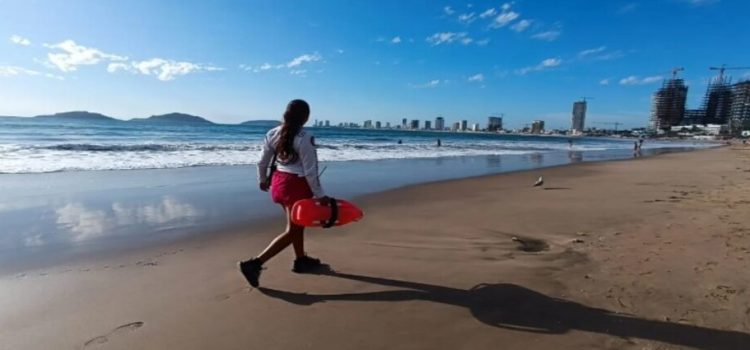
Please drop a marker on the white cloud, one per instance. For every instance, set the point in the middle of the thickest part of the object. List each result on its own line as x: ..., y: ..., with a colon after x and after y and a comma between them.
x: 476, y: 78
x: 700, y: 2
x: 446, y: 38
x: 297, y: 61
x: 483, y: 42
x: 467, y: 41
x: 504, y: 19
x: 163, y: 69
x: 293, y: 65
x: 300, y: 72
x: 653, y: 79
x: 75, y: 55
x: 550, y: 35
x: 546, y: 64
x: 599, y: 54
x: 7, y: 71
x: 396, y: 40
x: 635, y: 80
x: 448, y: 10
x: 339, y: 51
x: 430, y: 84
x: 489, y: 13
x: 19, y: 40
x: 467, y: 18
x: 627, y: 8
x: 506, y: 6
x: 589, y: 52
x: 521, y: 25
x: 604, y: 82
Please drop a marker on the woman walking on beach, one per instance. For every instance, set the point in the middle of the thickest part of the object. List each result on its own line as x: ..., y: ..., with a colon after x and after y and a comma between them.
x: 295, y: 178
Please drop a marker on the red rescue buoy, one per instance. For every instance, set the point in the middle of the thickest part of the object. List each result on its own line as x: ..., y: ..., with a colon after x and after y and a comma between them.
x: 311, y: 213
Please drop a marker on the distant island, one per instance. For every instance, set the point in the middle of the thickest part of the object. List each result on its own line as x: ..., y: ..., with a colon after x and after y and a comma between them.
x: 268, y: 123
x: 78, y: 116
x: 170, y: 118
x: 174, y: 118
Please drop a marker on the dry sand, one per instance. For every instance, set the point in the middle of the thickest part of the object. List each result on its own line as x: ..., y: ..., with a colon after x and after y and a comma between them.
x: 646, y: 254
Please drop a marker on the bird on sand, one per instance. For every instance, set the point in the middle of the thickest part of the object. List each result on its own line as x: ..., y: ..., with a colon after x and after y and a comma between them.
x: 539, y: 182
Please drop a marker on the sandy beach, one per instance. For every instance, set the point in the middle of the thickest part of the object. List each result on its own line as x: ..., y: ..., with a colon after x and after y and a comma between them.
x: 645, y: 254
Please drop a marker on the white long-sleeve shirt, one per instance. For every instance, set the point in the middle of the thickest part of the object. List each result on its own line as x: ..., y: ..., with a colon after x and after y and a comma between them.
x: 306, y: 165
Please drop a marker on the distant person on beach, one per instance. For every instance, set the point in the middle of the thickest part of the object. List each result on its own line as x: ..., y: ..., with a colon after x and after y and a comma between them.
x: 636, y: 149
x: 439, y: 143
x: 289, y: 151
x: 399, y: 141
x: 570, y: 143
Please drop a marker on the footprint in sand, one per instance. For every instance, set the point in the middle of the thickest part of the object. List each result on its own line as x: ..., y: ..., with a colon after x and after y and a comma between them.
x: 126, y: 328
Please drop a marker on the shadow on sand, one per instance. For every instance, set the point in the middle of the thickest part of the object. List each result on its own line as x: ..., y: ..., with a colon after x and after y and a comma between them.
x: 517, y: 308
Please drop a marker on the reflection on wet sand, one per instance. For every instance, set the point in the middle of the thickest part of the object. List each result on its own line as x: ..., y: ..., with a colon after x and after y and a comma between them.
x: 494, y: 161
x: 575, y: 156
x: 76, y: 222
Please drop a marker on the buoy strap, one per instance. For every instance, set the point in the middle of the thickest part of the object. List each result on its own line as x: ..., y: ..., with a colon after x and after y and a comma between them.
x: 334, y: 213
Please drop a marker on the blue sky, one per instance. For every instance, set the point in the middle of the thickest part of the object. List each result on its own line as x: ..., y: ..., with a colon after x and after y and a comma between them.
x: 232, y: 61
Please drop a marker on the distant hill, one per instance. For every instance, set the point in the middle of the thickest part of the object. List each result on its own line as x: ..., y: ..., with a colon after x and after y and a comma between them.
x: 78, y: 116
x: 268, y: 123
x: 174, y: 118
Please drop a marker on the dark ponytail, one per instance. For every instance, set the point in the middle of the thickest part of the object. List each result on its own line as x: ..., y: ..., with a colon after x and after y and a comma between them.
x: 297, y: 112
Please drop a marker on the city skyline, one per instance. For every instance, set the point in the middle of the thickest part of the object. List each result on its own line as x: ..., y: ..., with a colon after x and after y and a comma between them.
x: 236, y: 61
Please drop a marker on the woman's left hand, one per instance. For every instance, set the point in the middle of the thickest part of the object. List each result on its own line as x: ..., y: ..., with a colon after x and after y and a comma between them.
x: 325, y: 200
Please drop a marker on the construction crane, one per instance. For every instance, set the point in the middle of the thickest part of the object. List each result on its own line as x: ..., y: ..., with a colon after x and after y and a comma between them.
x: 583, y: 98
x: 724, y: 67
x: 616, y: 124
x: 675, y: 70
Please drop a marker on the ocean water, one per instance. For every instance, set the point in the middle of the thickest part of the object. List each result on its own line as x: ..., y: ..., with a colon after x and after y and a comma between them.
x: 167, y: 182
x: 37, y: 146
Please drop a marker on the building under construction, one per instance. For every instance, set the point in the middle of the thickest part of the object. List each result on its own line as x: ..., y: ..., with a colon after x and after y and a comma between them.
x: 668, y: 104
x: 578, y: 121
x: 537, y: 127
x: 717, y: 103
x: 739, y: 116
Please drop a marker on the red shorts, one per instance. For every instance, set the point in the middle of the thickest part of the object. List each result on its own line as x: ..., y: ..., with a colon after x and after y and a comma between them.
x: 287, y: 189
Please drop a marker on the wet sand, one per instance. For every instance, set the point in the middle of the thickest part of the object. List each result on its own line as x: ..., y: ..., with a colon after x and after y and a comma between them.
x: 646, y: 254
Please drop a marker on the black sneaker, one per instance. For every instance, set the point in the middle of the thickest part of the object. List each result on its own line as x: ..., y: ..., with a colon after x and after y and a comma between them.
x: 251, y: 270
x: 305, y: 264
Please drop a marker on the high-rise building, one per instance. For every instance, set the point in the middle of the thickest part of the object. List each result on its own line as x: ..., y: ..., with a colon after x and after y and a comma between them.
x: 693, y: 117
x: 579, y: 117
x: 415, y: 124
x: 494, y: 123
x: 739, y: 119
x: 427, y: 125
x: 456, y: 126
x: 439, y: 123
x: 668, y: 104
x: 464, y: 125
x: 388, y: 125
x: 537, y: 127
x: 328, y: 123
x: 403, y: 123
x: 718, y: 101
x: 476, y: 127
x: 377, y: 125
x: 367, y: 124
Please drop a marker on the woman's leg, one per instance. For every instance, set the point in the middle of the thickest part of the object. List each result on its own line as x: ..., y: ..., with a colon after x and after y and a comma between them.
x: 292, y: 235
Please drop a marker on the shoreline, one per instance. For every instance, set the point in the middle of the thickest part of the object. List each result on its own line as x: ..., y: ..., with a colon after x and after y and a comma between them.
x: 159, y: 215
x: 656, y: 263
